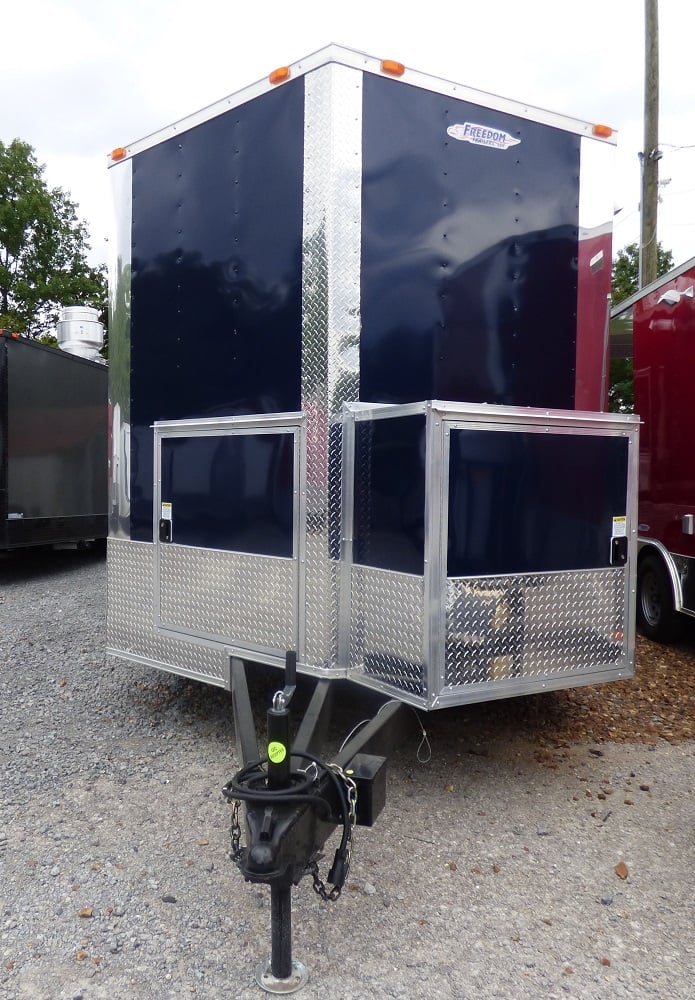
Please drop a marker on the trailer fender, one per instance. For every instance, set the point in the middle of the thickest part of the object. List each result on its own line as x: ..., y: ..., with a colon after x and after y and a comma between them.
x: 659, y: 594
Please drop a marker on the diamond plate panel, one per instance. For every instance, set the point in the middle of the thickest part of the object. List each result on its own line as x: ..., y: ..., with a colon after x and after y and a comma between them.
x: 231, y: 596
x: 538, y: 626
x: 386, y: 640
x: 130, y: 618
x: 330, y: 330
x: 120, y: 271
x: 321, y: 604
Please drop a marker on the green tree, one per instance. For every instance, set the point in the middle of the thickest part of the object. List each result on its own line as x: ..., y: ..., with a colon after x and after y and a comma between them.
x: 43, y: 248
x: 625, y: 282
x: 625, y: 274
x: 621, y: 390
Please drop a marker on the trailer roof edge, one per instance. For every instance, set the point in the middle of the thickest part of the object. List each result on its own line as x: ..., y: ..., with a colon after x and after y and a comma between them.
x: 370, y: 64
x: 652, y: 287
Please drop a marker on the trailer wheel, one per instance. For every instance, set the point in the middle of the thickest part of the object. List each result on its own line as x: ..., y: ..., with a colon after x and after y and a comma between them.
x: 657, y: 617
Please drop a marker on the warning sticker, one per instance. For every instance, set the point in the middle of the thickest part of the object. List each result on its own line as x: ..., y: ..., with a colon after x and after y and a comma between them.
x: 619, y: 527
x: 166, y: 512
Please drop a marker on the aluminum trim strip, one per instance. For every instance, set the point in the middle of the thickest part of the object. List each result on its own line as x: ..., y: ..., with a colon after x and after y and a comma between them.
x: 330, y: 336
x: 272, y: 422
x: 120, y: 270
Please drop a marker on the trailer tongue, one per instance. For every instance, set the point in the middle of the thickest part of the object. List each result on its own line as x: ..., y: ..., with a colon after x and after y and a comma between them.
x: 295, y: 800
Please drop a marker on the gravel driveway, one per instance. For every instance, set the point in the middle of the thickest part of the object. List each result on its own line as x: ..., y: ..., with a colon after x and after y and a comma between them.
x: 507, y: 866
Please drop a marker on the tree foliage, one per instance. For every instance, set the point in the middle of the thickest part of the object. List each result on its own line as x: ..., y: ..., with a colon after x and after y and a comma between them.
x: 621, y: 390
x: 625, y: 278
x: 43, y: 248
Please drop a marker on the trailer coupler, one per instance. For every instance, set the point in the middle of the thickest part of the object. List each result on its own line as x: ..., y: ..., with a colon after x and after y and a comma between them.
x: 294, y: 801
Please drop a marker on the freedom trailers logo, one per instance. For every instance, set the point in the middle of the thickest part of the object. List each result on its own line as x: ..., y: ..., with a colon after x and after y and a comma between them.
x: 481, y: 135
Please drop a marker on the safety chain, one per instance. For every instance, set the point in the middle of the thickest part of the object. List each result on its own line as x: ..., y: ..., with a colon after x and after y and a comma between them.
x: 235, y: 832
x: 330, y: 896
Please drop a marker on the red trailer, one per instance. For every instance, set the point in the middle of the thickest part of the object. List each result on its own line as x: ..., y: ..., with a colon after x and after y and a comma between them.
x: 659, y: 324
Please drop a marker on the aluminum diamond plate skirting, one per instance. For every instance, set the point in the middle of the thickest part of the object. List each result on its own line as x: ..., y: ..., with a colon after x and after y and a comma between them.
x: 229, y: 596
x: 535, y: 626
x: 386, y: 633
x: 130, y: 630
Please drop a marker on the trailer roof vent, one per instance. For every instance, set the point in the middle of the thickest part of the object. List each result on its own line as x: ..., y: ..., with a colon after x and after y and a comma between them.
x: 79, y: 332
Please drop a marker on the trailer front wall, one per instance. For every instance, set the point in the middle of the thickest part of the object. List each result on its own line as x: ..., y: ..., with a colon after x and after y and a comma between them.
x: 322, y: 243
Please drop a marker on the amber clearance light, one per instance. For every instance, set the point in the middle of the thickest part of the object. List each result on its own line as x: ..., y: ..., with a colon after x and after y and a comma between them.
x: 280, y: 74
x: 392, y: 67
x: 602, y: 131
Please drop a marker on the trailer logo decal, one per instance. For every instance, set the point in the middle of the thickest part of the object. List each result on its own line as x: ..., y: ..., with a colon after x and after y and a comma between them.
x: 481, y: 135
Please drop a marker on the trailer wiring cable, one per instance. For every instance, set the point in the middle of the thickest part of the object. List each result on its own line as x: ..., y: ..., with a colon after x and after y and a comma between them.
x: 424, y: 739
x: 426, y: 756
x: 250, y: 785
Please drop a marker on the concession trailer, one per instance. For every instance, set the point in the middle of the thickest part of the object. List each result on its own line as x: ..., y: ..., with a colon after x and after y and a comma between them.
x: 358, y: 364
x: 358, y: 347
x: 53, y: 436
x: 656, y: 327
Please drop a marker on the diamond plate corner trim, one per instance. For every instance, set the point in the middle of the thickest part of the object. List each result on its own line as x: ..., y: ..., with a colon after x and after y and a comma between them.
x: 537, y: 626
x: 231, y: 596
x: 119, y: 351
x: 130, y: 628
x: 386, y: 639
x: 330, y: 332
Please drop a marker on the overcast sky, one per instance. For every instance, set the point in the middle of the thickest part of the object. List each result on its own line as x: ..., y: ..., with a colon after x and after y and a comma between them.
x: 78, y: 78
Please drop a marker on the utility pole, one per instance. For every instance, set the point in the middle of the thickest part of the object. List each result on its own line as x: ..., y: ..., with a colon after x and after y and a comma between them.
x: 651, y: 154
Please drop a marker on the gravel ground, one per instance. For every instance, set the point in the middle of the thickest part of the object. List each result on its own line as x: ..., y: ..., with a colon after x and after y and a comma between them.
x: 514, y: 864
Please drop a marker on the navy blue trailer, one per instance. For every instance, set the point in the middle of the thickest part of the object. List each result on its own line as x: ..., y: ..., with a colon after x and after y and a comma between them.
x: 357, y: 359
x: 53, y: 446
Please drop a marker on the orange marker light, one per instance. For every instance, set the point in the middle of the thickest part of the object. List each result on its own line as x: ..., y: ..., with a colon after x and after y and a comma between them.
x: 280, y: 74
x: 392, y: 67
x: 603, y: 131
x: 118, y: 153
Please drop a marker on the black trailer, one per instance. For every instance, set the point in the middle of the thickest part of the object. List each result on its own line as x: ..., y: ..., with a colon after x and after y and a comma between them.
x: 53, y: 445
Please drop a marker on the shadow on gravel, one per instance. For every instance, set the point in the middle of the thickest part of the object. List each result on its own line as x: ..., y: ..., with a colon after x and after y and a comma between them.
x: 658, y: 703
x: 23, y: 565
x: 170, y: 701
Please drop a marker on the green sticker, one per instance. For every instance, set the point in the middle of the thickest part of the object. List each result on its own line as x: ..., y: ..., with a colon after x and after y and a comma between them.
x: 276, y: 752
